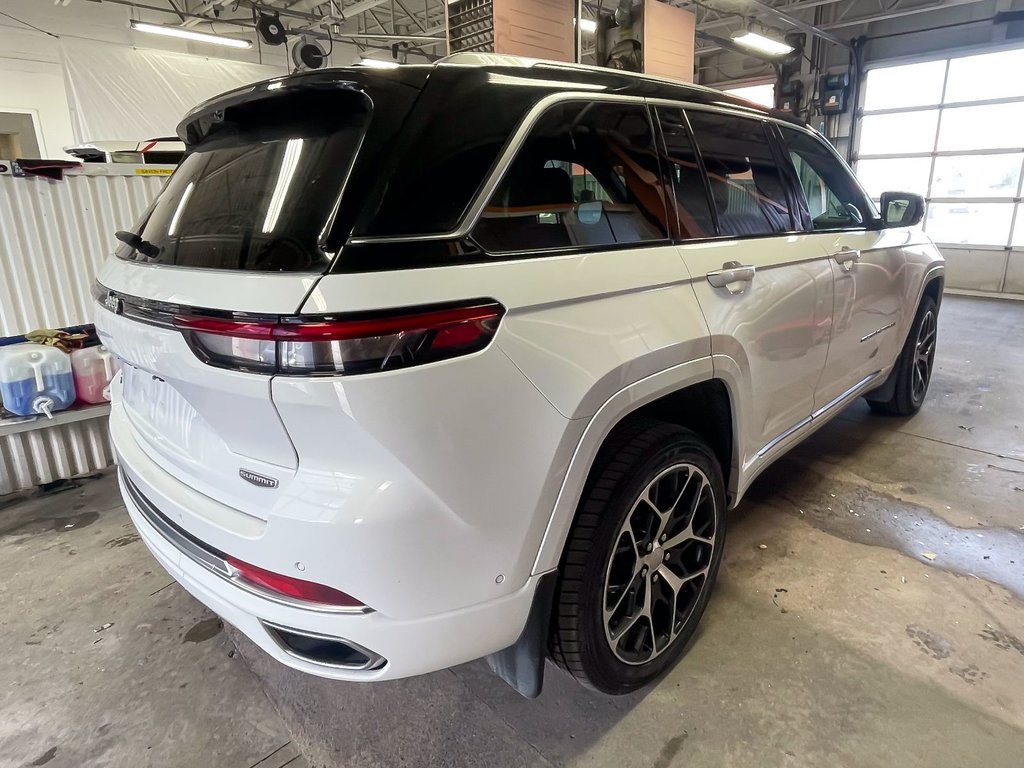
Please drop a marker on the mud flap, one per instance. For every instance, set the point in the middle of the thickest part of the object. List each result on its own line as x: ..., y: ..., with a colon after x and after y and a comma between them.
x: 885, y: 392
x: 521, y: 665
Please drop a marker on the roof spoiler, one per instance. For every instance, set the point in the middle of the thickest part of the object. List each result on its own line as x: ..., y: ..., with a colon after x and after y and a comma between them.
x: 198, y: 122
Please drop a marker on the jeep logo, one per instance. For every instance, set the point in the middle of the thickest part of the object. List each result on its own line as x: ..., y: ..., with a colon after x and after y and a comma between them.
x: 255, y: 479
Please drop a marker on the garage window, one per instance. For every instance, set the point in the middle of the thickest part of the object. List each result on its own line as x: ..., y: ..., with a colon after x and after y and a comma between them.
x: 949, y: 130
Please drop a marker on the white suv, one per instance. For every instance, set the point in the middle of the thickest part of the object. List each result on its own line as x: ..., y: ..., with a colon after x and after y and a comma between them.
x: 469, y: 360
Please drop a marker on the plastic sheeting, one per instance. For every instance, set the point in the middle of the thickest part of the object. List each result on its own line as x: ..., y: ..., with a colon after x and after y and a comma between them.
x: 134, y: 93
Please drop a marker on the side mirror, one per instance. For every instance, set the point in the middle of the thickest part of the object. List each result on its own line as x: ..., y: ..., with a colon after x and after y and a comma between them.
x: 902, y: 209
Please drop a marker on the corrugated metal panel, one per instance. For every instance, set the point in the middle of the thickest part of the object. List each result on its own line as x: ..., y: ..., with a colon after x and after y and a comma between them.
x: 37, y: 456
x: 54, y: 235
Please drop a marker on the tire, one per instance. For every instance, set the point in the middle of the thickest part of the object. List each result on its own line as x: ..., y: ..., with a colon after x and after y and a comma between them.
x: 600, y: 570
x: 914, y: 367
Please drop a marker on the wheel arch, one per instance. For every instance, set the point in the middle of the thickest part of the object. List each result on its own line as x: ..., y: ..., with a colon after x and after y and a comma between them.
x: 933, y: 287
x: 688, y: 395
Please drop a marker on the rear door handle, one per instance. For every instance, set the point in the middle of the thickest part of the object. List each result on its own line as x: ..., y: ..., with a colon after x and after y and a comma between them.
x: 847, y: 258
x: 733, y: 276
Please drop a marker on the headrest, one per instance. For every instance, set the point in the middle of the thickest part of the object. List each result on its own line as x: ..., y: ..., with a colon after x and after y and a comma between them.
x: 532, y: 186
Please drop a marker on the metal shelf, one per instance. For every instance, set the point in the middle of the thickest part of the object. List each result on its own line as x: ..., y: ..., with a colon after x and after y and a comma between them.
x: 19, y: 424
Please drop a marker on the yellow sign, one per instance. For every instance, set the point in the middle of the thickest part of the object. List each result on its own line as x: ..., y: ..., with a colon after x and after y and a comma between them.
x: 154, y: 171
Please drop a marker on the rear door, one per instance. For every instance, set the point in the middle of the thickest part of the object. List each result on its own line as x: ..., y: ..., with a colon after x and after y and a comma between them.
x: 867, y: 262
x: 764, y: 287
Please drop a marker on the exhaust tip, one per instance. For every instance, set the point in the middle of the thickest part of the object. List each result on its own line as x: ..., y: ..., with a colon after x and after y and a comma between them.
x: 324, y: 650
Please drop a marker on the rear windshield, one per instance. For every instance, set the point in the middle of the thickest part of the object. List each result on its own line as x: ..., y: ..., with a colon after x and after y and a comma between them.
x: 259, y: 193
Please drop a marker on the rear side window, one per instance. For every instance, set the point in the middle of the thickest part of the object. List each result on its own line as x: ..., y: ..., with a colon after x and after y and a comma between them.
x: 586, y: 176
x: 746, y: 182
x: 259, y: 193
x: 832, y: 196
x: 689, y: 193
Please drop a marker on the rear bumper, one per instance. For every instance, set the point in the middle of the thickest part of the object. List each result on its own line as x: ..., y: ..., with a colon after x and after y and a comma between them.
x: 392, y: 647
x: 404, y: 648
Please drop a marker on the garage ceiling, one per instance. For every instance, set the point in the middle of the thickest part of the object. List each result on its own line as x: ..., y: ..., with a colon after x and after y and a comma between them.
x: 377, y: 24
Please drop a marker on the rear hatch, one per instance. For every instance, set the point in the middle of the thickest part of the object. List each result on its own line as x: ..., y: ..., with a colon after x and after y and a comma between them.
x: 239, y: 235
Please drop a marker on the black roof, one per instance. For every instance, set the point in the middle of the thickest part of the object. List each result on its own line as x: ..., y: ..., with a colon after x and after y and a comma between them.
x: 611, y: 80
x: 436, y: 129
x: 494, y: 70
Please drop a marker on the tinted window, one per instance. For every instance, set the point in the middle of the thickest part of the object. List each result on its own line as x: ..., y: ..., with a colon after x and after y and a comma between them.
x: 689, y: 192
x: 832, y: 196
x: 587, y: 175
x: 746, y: 183
x: 258, y: 195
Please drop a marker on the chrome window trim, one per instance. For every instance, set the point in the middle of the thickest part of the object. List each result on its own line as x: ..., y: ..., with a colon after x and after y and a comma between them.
x: 519, y: 136
x: 723, y: 108
x: 212, y: 560
x: 505, y: 158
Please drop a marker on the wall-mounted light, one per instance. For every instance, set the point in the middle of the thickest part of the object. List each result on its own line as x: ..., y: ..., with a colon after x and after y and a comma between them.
x: 189, y: 34
x: 761, y: 44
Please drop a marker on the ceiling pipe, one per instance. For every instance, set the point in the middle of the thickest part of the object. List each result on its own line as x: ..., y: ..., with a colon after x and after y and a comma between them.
x: 248, y: 26
x: 731, y: 15
x: 174, y: 12
x: 624, y: 13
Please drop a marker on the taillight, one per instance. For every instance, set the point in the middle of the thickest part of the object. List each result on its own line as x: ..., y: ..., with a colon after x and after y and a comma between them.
x: 301, y: 346
x: 291, y: 587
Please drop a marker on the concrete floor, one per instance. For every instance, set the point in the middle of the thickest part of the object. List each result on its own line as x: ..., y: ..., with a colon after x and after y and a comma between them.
x: 868, y: 613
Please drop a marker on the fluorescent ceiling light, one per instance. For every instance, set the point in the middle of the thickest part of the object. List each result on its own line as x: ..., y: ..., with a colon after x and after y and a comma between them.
x: 761, y: 44
x: 588, y: 25
x: 378, y: 64
x: 189, y: 34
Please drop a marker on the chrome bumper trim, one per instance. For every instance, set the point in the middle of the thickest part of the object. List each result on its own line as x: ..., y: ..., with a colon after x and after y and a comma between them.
x: 213, y: 559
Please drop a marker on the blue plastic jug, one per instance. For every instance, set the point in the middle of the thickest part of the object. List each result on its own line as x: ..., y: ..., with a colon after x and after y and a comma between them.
x: 35, y: 379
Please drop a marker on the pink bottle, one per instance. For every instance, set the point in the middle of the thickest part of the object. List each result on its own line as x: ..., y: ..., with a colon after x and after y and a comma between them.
x: 93, y: 368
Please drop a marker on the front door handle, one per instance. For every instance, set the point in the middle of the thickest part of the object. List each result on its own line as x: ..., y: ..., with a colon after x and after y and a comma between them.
x: 847, y: 258
x: 733, y: 276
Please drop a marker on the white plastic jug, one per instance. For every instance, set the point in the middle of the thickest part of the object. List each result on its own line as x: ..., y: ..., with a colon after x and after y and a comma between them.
x: 35, y: 378
x: 93, y: 368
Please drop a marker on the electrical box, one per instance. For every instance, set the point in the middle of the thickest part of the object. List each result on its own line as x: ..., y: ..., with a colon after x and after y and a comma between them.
x: 788, y: 96
x: 833, y: 90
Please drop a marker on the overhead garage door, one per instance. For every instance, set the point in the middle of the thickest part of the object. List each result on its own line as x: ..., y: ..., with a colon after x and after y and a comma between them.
x: 951, y: 130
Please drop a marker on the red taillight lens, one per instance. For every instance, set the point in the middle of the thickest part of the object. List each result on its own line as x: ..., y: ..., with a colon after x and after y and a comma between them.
x: 296, y: 345
x: 297, y: 588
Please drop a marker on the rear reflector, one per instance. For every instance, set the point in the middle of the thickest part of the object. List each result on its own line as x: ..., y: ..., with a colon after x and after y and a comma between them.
x: 291, y: 587
x: 299, y: 346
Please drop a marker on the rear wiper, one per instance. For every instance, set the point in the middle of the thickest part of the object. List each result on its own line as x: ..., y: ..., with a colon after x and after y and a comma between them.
x: 136, y: 242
